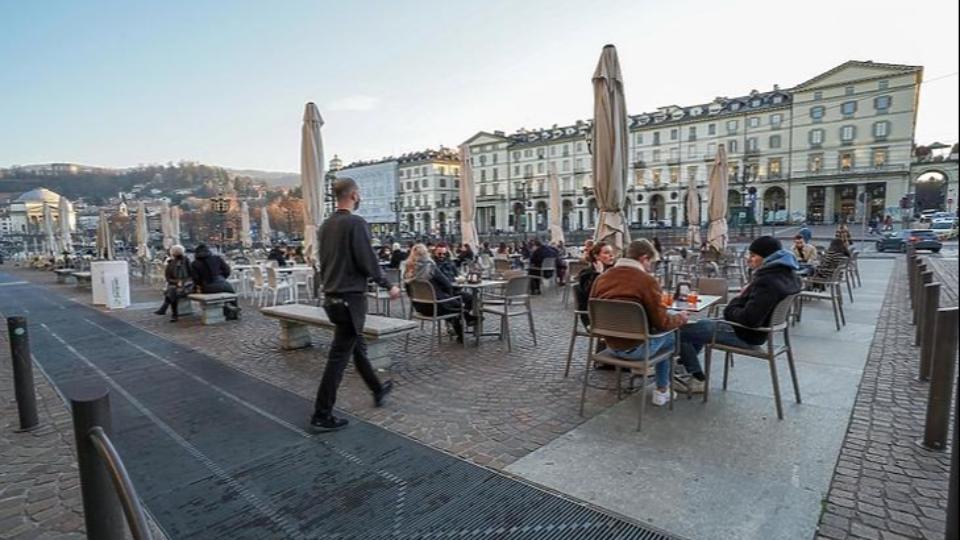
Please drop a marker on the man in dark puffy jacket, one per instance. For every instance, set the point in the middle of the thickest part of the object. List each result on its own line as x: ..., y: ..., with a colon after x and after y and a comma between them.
x: 774, y: 278
x: 210, y: 273
x: 541, y: 253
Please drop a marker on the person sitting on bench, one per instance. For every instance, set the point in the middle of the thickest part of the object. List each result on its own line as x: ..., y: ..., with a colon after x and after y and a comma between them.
x: 179, y: 281
x: 210, y: 273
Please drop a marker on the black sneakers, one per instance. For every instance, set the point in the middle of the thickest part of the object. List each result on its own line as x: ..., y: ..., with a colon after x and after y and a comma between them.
x: 330, y: 423
x: 385, y: 389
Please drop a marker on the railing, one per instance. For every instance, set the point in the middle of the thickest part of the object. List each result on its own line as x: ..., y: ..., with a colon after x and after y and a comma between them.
x: 103, y: 478
x: 936, y: 334
x: 851, y: 170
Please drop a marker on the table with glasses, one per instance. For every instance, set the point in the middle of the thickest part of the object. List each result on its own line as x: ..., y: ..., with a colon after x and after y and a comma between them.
x: 704, y: 301
x: 476, y: 293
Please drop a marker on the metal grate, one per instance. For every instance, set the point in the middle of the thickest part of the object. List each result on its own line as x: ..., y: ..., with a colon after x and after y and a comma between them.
x: 215, y: 453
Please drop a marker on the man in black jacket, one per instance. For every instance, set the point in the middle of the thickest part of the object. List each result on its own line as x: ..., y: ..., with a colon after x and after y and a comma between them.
x: 210, y: 273
x: 347, y: 261
x: 774, y: 278
x: 541, y: 252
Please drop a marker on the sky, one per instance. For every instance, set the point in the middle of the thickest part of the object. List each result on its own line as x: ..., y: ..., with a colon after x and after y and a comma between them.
x: 122, y: 83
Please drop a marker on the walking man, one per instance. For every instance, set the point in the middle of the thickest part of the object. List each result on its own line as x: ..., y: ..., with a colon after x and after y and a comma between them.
x: 347, y: 261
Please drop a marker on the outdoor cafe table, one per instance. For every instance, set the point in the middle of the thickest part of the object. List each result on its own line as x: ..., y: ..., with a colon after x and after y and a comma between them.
x: 704, y: 301
x: 476, y: 292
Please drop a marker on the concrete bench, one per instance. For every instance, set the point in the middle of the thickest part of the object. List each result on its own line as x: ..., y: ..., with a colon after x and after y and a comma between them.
x: 83, y: 279
x: 211, y: 305
x: 295, y: 320
x: 63, y: 274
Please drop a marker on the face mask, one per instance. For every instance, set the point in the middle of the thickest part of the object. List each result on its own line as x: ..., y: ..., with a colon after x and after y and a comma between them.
x: 356, y: 205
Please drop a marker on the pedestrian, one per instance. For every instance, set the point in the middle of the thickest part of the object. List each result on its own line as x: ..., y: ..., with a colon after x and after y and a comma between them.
x: 843, y: 234
x: 210, y: 273
x: 347, y: 261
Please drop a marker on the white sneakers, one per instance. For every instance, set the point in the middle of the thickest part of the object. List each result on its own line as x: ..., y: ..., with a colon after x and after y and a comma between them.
x: 662, y: 398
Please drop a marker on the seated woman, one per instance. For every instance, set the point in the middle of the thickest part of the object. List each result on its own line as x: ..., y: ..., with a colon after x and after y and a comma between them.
x: 420, y: 266
x: 503, y: 252
x: 600, y: 257
x: 179, y: 282
x: 835, y: 255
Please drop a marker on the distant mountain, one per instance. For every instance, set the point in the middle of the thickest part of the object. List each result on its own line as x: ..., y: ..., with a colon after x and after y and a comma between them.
x: 273, y: 178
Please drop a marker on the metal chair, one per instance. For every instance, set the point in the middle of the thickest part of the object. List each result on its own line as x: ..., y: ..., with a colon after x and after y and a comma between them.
x: 626, y: 320
x: 855, y: 268
x: 714, y: 287
x: 422, y: 292
x: 580, y: 329
x: 515, y: 302
x: 381, y: 297
x: 573, y: 273
x: 501, y: 265
x: 778, y: 323
x: 832, y: 291
x: 549, y: 264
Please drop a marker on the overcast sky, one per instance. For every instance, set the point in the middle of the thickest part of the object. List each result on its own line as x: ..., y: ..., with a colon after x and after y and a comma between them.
x: 115, y: 84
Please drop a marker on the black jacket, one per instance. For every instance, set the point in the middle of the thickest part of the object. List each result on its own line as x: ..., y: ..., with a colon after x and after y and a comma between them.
x: 347, y: 259
x: 771, y: 283
x: 543, y: 252
x: 209, y: 270
x: 397, y: 258
x: 276, y: 254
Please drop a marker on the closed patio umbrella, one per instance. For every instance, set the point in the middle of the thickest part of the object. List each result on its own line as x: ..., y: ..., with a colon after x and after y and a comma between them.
x: 51, y: 241
x: 143, y: 235
x: 166, y: 225
x: 468, y: 201
x: 717, y: 207
x: 265, y: 231
x: 556, y: 217
x: 63, y: 215
x: 104, y: 241
x: 610, y: 170
x: 175, y: 224
x: 245, y: 239
x: 311, y: 178
x: 693, y: 215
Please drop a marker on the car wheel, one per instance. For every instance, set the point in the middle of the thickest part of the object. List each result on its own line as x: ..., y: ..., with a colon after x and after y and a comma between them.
x: 879, y: 248
x: 903, y: 248
x: 937, y: 250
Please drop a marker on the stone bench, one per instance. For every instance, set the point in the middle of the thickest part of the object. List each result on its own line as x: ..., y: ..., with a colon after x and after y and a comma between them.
x: 63, y: 274
x: 211, y: 305
x: 83, y: 279
x: 295, y: 320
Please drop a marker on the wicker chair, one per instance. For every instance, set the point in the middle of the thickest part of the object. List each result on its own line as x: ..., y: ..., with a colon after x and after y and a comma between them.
x: 626, y: 320
x: 422, y: 292
x: 778, y: 323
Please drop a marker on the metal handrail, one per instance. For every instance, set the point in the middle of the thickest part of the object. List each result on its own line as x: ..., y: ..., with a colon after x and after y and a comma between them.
x: 121, y: 481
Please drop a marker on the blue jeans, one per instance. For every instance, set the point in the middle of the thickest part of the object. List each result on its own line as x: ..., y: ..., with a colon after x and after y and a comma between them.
x: 657, y: 345
x: 694, y: 336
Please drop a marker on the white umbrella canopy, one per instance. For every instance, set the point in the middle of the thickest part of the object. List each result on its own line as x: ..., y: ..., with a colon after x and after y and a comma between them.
x: 143, y: 249
x: 556, y: 216
x: 265, y: 232
x: 468, y: 202
x: 693, y: 214
x: 63, y: 216
x: 245, y: 239
x: 717, y: 207
x: 51, y: 242
x: 610, y: 168
x: 166, y: 225
x: 104, y: 241
x: 311, y: 179
x: 175, y: 224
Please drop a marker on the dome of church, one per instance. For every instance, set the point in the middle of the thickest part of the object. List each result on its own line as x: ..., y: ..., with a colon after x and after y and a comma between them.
x: 40, y: 195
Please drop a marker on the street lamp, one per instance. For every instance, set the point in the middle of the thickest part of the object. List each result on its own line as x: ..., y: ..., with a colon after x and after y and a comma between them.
x: 522, y: 184
x: 221, y: 205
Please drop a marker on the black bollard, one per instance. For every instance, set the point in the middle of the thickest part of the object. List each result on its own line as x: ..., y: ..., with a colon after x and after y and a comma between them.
x: 917, y: 272
x: 22, y: 373
x: 953, y: 528
x: 930, y: 303
x: 101, y: 507
x: 925, y: 279
x: 941, y: 380
x: 912, y: 262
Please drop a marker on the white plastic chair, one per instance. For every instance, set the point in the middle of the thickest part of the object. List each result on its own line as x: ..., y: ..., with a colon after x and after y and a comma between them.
x: 275, y: 284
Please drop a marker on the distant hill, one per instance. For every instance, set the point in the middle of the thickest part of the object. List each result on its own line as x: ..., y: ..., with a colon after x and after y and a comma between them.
x: 273, y: 178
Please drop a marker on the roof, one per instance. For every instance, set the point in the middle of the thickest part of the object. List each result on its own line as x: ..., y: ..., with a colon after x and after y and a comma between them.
x: 40, y: 195
x: 860, y: 63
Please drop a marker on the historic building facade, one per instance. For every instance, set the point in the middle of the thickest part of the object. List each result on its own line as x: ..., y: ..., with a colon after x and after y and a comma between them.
x: 806, y: 153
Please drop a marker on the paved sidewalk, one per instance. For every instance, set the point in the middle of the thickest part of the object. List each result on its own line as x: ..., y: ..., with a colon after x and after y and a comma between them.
x: 884, y: 485
x: 728, y: 468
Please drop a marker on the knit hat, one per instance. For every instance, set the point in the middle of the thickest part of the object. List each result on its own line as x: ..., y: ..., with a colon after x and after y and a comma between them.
x: 765, y: 246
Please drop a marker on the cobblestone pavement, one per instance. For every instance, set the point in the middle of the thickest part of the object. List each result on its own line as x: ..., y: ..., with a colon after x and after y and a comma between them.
x: 884, y: 485
x: 39, y: 482
x: 486, y: 405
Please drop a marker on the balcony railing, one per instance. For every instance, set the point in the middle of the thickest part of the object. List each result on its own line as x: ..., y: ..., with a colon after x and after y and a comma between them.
x: 867, y: 169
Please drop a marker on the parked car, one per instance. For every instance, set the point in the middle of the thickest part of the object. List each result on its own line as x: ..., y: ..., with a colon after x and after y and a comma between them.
x: 945, y: 229
x: 944, y: 217
x: 920, y: 238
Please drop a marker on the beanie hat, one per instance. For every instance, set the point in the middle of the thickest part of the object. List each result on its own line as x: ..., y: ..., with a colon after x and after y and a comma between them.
x: 765, y: 246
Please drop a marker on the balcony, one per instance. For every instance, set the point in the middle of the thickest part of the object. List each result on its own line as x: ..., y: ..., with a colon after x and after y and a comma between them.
x: 853, y: 171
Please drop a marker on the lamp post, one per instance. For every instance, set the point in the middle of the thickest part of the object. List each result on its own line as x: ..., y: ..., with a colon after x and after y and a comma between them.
x: 395, y: 205
x: 523, y: 206
x: 221, y: 205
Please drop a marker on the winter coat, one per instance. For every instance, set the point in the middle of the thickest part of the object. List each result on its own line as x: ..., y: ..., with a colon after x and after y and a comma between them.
x: 210, y: 272
x: 775, y: 280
